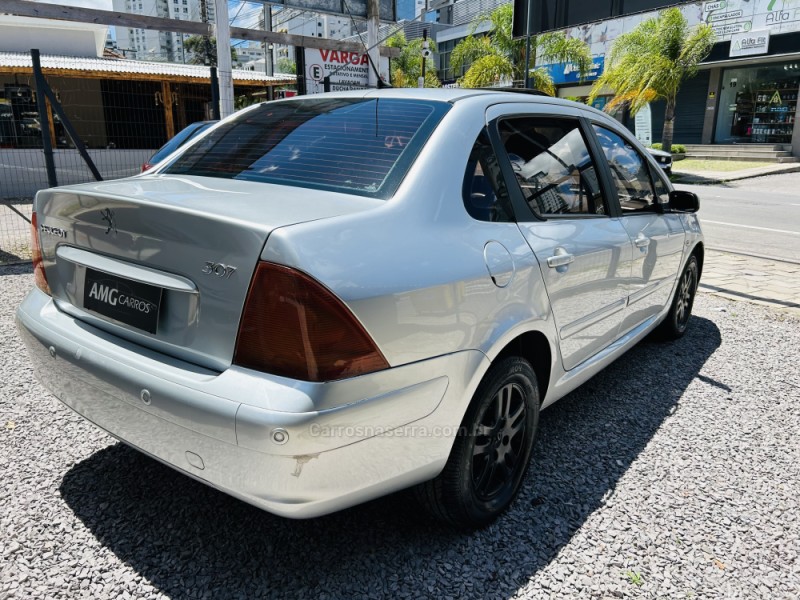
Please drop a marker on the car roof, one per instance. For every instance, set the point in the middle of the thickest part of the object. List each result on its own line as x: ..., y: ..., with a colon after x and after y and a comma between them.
x: 445, y: 94
x: 455, y: 95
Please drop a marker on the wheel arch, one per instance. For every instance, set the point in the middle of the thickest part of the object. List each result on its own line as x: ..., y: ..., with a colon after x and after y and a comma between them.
x: 534, y: 347
x: 700, y: 252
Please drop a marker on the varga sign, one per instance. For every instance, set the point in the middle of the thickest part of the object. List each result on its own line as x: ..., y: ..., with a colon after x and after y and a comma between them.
x: 344, y: 58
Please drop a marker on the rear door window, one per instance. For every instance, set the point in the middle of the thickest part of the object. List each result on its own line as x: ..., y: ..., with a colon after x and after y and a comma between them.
x: 484, y: 189
x: 553, y: 166
x: 357, y: 145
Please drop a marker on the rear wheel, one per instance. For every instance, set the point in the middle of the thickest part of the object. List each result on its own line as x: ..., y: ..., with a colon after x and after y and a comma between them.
x: 677, y: 321
x: 492, y: 449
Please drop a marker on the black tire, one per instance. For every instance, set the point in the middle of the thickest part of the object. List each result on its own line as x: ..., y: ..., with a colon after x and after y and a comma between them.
x: 677, y: 321
x: 492, y: 450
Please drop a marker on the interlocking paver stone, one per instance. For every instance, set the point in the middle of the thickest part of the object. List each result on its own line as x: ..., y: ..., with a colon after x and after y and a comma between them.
x: 752, y: 279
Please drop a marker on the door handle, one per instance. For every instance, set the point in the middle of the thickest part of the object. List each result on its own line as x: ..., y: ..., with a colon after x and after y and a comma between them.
x: 561, y: 258
x: 642, y: 241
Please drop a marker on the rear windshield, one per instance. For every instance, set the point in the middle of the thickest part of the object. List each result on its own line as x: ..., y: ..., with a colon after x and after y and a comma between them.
x: 355, y: 145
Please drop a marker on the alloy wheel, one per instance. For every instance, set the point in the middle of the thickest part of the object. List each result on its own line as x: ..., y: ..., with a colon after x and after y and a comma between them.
x: 685, y: 298
x: 499, y: 443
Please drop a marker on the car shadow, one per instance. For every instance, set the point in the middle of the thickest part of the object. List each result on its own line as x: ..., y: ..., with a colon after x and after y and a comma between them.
x: 188, y: 540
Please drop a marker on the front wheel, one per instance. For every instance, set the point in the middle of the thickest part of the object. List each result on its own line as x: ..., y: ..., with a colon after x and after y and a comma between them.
x: 492, y: 449
x: 677, y: 320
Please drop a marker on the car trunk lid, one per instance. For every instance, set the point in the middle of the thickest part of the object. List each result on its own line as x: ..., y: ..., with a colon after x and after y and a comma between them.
x: 166, y: 261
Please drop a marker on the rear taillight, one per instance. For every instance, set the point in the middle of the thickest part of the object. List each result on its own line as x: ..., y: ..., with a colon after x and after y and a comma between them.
x: 146, y: 167
x: 39, y: 276
x: 294, y: 327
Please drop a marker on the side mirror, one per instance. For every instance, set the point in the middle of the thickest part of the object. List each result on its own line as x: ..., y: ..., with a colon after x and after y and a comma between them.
x: 683, y: 201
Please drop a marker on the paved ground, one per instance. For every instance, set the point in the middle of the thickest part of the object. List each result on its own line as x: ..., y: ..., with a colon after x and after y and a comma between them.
x: 672, y: 474
x: 757, y: 280
x: 15, y: 231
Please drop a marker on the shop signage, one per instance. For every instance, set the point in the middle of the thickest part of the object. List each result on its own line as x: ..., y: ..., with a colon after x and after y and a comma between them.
x: 644, y: 125
x: 347, y: 70
x: 750, y: 43
x: 568, y: 73
x: 726, y: 17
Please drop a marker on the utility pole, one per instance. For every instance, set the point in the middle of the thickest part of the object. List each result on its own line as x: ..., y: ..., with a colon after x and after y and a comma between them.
x: 373, y: 23
x: 222, y: 31
x: 269, y: 67
x: 526, y: 77
x: 206, y: 40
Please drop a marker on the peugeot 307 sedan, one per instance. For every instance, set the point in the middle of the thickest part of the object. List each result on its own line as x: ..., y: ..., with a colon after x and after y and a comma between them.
x: 326, y: 299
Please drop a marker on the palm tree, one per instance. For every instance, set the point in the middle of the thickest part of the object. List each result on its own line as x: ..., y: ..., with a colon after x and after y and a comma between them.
x: 407, y: 68
x: 499, y: 56
x: 650, y: 63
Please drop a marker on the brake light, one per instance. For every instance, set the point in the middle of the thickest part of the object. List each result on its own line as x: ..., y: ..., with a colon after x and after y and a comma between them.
x: 293, y: 326
x: 39, y: 276
x: 146, y: 167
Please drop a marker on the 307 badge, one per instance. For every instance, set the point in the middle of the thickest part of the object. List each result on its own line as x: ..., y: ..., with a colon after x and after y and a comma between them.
x: 218, y: 269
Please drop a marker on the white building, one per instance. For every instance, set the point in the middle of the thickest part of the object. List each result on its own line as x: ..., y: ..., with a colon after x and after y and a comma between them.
x: 247, y: 53
x: 147, y: 44
x: 20, y: 34
x: 297, y: 22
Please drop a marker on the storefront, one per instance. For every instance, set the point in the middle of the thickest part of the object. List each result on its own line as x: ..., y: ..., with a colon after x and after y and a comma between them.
x: 758, y: 104
x: 569, y: 85
x: 746, y: 90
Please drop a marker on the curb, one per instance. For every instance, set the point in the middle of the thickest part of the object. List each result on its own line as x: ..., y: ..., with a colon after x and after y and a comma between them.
x: 700, y: 179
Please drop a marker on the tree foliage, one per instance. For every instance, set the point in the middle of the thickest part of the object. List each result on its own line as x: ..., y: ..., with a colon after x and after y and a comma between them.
x: 650, y: 63
x: 202, y: 50
x: 497, y: 56
x: 286, y: 65
x: 407, y: 68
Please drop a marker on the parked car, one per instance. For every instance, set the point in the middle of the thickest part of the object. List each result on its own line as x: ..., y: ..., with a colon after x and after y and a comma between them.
x: 329, y: 298
x: 189, y: 132
x: 664, y: 159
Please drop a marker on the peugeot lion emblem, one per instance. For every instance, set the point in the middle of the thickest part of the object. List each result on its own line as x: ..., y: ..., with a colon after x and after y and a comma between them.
x: 108, y: 216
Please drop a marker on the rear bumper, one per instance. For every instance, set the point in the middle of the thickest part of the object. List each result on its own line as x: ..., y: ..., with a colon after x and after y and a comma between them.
x: 293, y: 448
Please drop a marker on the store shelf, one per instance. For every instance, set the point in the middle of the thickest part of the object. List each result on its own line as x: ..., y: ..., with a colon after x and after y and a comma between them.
x: 750, y: 119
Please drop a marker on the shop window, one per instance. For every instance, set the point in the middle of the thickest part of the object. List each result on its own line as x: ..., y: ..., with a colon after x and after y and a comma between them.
x: 758, y: 104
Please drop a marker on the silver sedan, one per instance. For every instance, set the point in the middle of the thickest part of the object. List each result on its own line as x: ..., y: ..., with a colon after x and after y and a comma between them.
x: 326, y: 299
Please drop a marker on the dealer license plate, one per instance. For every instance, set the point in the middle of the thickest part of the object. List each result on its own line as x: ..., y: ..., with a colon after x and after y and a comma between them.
x: 129, y: 302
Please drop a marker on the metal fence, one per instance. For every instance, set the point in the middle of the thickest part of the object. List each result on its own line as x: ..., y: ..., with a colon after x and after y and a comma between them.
x: 119, y: 122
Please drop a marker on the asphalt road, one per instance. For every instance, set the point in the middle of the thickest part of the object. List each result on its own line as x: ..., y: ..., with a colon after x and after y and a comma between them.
x: 760, y: 217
